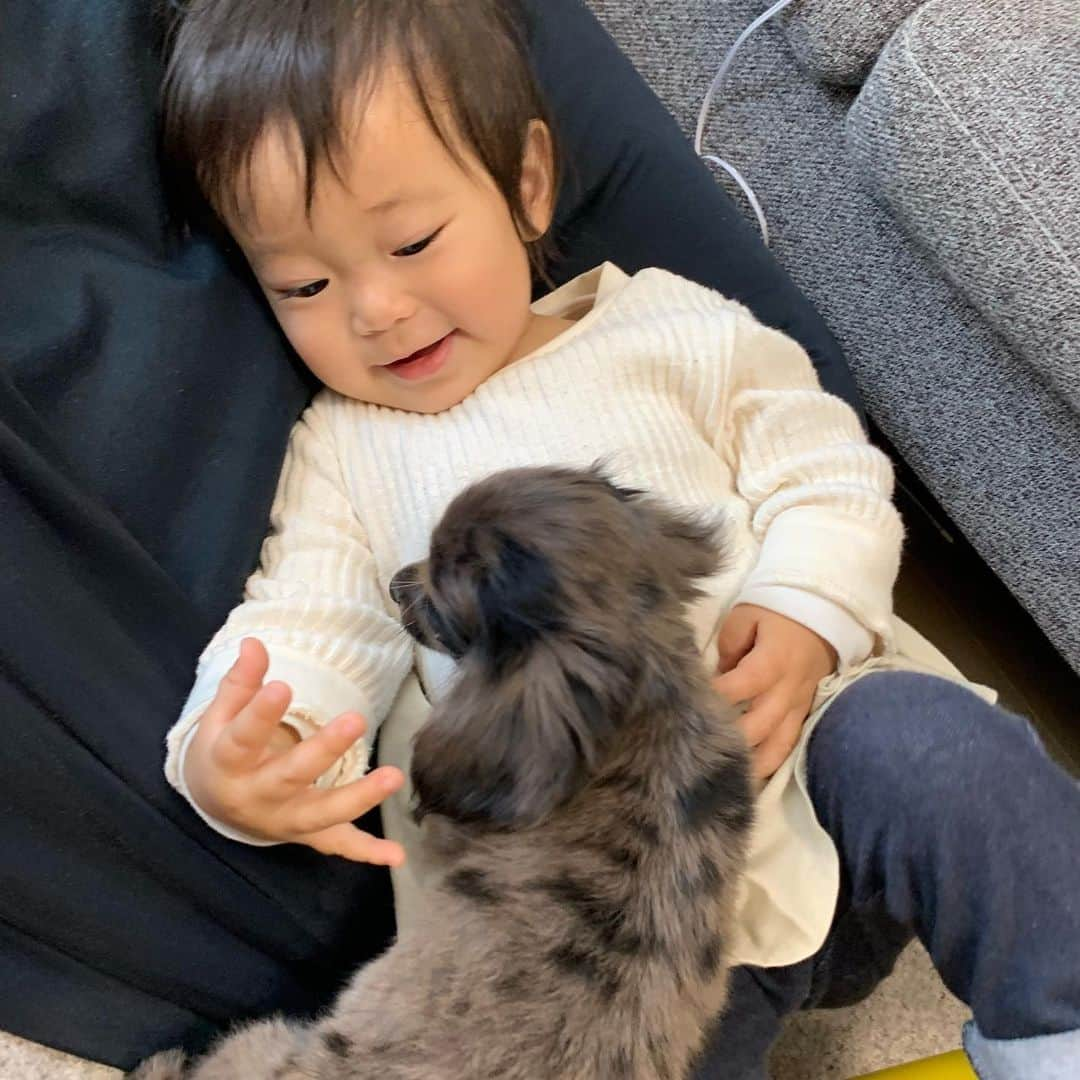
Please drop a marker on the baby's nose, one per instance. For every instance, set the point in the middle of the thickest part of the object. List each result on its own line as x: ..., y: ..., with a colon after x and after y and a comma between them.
x: 377, y: 307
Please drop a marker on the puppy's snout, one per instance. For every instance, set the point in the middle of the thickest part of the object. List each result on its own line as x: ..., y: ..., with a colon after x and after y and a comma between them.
x: 403, y: 583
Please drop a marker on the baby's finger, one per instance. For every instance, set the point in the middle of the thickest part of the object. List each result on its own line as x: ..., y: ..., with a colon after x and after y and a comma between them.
x: 321, y: 810
x: 736, y: 637
x: 301, y: 766
x: 774, y: 750
x: 352, y: 843
x: 244, y: 740
x: 765, y: 714
x: 239, y: 685
x: 750, y: 678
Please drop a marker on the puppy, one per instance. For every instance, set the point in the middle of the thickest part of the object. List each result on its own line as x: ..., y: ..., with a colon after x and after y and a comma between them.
x: 586, y: 792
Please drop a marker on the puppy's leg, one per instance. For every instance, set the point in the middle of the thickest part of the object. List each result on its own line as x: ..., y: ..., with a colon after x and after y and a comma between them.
x: 169, y: 1065
x: 261, y: 1051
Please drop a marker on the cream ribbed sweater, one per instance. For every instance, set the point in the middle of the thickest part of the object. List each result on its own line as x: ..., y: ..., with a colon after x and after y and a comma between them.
x: 682, y: 392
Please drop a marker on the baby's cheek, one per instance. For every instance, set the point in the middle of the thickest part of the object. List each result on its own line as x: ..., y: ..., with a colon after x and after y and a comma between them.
x: 305, y: 334
x: 323, y: 345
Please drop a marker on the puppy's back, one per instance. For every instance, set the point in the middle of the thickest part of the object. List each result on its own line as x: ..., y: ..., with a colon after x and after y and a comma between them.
x: 592, y: 946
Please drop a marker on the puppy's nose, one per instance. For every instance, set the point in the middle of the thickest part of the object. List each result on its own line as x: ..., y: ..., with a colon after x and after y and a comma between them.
x: 400, y: 584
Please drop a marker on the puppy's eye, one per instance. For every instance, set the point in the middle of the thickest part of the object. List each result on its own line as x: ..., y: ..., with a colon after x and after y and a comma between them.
x: 439, y: 630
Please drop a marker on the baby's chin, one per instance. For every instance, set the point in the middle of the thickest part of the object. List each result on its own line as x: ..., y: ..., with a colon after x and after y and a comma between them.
x: 432, y: 408
x: 427, y: 400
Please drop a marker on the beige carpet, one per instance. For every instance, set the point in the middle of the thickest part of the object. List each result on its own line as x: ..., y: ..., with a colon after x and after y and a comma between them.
x: 21, y: 1060
x: 911, y: 1015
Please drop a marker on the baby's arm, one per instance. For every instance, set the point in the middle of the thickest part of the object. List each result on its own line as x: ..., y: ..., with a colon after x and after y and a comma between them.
x: 820, y: 595
x: 333, y: 647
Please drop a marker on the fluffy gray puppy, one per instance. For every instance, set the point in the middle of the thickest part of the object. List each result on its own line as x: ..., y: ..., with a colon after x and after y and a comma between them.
x: 586, y: 791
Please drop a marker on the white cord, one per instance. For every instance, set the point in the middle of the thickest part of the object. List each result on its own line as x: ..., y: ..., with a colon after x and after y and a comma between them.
x: 747, y: 190
x: 714, y: 89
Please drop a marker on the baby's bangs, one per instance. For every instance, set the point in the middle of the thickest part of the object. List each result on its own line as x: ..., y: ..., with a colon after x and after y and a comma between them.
x: 235, y: 72
x: 238, y: 70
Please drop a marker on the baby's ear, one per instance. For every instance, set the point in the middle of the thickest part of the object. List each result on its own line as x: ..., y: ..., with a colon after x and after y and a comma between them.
x: 507, y: 755
x: 537, y: 181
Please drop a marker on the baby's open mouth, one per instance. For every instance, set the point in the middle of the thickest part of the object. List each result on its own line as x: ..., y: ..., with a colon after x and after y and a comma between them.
x: 423, y: 362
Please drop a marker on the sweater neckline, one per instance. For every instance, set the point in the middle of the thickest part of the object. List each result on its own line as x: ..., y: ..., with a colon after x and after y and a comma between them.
x: 588, y: 293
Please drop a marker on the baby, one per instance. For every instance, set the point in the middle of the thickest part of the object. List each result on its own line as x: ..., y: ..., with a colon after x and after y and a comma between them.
x: 390, y: 172
x: 394, y: 229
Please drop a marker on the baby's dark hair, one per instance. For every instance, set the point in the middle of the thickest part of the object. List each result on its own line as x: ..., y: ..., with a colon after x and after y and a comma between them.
x: 237, y: 66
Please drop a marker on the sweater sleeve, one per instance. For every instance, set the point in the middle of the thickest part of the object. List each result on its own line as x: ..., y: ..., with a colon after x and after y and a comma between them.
x: 316, y: 604
x: 820, y: 496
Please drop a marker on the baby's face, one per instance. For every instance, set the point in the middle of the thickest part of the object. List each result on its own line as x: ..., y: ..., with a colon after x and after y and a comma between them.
x: 408, y: 284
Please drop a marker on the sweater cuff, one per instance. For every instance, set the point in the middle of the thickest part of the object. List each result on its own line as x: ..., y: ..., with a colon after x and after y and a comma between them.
x: 851, y: 640
x: 852, y: 563
x: 319, y: 695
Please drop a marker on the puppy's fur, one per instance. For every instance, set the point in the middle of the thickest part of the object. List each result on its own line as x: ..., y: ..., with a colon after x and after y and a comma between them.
x: 588, y: 794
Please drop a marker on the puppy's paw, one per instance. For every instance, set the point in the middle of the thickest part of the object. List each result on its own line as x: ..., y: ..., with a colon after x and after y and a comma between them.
x: 168, y: 1065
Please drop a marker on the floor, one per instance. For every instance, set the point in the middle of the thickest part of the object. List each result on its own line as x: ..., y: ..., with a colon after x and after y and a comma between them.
x: 947, y: 593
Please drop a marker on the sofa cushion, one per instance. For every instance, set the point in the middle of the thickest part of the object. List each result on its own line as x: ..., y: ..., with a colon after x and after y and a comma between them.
x: 968, y: 130
x: 837, y: 41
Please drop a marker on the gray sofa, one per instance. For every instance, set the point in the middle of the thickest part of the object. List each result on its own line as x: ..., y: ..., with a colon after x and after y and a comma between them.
x: 919, y: 166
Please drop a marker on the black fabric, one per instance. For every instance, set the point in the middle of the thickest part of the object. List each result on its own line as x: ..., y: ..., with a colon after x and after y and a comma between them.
x: 145, y: 399
x: 124, y: 922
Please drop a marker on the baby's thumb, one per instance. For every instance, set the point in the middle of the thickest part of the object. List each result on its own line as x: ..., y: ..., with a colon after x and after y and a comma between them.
x: 238, y: 686
x: 251, y: 664
x: 736, y: 637
x: 351, y: 843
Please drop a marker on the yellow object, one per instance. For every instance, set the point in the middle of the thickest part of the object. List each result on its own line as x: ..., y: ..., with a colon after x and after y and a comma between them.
x: 952, y: 1066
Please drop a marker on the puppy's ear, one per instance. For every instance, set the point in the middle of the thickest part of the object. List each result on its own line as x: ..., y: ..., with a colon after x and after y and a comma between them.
x: 691, y: 544
x: 516, y: 600
x: 507, y: 753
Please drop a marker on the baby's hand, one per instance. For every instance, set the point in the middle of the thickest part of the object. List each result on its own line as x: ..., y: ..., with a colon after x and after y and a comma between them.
x: 248, y: 771
x: 775, y: 664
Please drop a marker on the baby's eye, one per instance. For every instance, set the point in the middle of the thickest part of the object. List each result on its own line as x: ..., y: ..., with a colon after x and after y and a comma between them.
x: 302, y: 292
x: 415, y: 249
